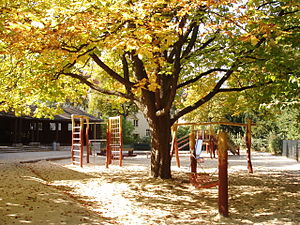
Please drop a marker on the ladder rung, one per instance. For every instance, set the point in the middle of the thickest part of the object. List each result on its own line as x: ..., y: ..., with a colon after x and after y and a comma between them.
x: 76, y: 127
x: 76, y: 151
x: 76, y: 132
x: 76, y: 156
x: 76, y: 144
x: 76, y: 139
x: 75, y: 162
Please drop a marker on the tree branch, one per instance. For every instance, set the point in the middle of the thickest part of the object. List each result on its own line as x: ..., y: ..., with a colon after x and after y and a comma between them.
x: 73, y: 49
x: 138, y: 67
x: 238, y: 89
x: 69, y: 65
x: 192, y: 42
x: 200, y: 76
x: 182, y: 38
x: 173, y: 83
x: 110, y: 72
x: 203, y: 46
x: 205, y: 99
x: 126, y: 71
x: 93, y: 86
x: 265, y: 4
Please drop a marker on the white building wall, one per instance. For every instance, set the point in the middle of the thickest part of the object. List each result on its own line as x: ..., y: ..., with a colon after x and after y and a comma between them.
x: 141, y: 126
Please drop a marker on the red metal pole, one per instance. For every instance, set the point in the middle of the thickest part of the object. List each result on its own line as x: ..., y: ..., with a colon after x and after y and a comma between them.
x: 223, y: 174
x: 73, y: 135
x: 120, y: 140
x: 87, y: 142
x: 108, y: 155
x: 177, y: 153
x: 81, y: 142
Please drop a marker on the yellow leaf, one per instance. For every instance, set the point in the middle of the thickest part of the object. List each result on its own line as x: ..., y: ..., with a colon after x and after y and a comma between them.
x: 253, y: 40
x: 153, y: 86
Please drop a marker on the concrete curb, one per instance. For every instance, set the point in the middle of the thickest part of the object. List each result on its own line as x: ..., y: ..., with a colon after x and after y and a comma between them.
x: 47, y: 159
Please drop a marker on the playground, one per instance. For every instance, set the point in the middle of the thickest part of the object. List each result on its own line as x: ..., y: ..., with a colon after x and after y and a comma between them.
x: 58, y: 192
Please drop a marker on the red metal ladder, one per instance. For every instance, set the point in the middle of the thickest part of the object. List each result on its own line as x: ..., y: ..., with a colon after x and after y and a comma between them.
x: 78, y: 139
x: 114, y: 140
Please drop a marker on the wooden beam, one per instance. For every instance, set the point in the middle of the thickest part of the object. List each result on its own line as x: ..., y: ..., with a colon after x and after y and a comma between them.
x: 214, y: 123
x: 193, y: 152
x: 223, y: 174
x: 248, y: 144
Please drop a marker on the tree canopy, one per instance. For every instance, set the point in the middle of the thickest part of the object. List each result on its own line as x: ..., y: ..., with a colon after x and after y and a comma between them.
x: 150, y: 52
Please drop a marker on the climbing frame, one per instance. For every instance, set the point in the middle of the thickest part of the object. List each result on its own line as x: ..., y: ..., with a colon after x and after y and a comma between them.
x: 114, y: 140
x: 80, y: 127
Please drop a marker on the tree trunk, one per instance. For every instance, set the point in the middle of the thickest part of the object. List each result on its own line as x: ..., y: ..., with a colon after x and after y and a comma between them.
x: 160, y: 151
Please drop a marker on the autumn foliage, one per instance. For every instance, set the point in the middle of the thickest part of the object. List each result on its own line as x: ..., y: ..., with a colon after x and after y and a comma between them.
x: 153, y: 53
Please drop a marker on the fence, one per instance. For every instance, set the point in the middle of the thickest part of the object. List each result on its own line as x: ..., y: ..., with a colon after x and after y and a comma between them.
x: 291, y: 149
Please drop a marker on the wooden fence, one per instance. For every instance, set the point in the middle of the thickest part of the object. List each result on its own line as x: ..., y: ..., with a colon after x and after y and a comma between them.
x: 291, y: 149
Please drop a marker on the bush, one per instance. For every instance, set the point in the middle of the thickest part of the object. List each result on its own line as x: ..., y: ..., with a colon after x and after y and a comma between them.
x: 183, y: 131
x: 128, y: 128
x: 274, y: 144
x: 259, y: 144
x: 145, y: 140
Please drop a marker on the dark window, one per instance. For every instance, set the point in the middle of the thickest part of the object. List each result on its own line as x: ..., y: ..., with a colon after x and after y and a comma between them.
x: 148, y: 133
x: 40, y: 126
x: 69, y: 126
x: 52, y: 126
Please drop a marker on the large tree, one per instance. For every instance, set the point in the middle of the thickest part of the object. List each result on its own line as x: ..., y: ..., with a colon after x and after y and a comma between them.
x: 149, y: 52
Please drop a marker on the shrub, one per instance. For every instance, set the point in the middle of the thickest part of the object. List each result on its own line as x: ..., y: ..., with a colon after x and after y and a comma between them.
x: 259, y: 144
x: 275, y: 144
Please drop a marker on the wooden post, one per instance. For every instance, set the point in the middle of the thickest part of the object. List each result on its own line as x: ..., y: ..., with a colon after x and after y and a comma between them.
x: 174, y: 146
x: 223, y: 174
x: 248, y: 144
x: 193, y: 152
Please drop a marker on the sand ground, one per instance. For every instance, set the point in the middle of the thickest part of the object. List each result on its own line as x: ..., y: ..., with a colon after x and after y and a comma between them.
x: 57, y: 192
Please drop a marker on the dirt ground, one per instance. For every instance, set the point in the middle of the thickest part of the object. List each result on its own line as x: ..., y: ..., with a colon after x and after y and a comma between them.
x: 57, y: 192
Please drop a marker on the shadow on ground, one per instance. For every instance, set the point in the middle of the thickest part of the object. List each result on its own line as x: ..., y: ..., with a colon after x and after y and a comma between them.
x: 129, y: 196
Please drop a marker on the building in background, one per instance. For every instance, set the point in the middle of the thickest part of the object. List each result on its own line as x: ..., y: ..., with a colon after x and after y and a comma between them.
x: 141, y: 126
x: 28, y: 130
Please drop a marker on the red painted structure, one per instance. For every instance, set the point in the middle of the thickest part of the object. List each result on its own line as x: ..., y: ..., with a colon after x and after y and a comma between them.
x: 223, y: 174
x: 200, y: 181
x: 114, y: 144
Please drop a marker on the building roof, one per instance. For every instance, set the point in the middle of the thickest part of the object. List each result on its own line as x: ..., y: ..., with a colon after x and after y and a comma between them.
x: 65, y: 116
x: 68, y: 111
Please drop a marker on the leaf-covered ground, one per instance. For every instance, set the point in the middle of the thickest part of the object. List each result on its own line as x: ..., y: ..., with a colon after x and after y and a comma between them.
x: 61, y: 193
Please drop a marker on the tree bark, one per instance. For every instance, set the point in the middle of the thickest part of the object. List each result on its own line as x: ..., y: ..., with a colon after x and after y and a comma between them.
x: 160, y: 150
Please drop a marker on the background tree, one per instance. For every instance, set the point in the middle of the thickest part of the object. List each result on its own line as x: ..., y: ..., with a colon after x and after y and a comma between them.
x: 151, y: 52
x: 106, y: 106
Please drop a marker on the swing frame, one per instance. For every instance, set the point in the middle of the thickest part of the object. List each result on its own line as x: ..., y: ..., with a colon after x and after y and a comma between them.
x: 248, y: 138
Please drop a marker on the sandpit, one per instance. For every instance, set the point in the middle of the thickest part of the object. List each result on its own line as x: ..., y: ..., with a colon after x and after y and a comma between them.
x: 57, y: 192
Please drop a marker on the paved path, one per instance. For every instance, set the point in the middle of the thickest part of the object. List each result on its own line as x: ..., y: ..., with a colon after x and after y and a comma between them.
x: 259, y: 160
x: 23, y: 157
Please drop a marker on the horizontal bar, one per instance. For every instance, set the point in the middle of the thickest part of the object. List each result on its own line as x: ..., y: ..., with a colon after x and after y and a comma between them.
x: 214, y: 123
